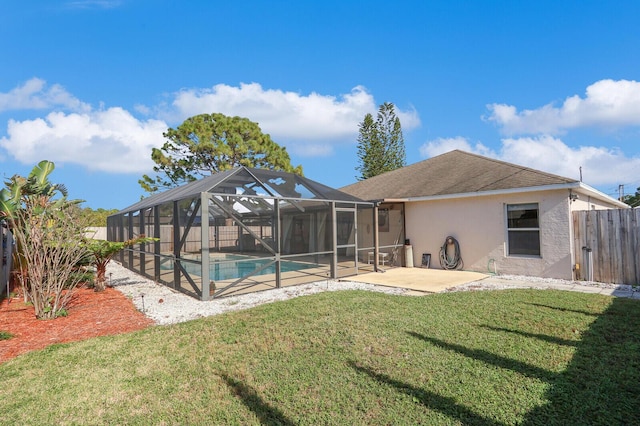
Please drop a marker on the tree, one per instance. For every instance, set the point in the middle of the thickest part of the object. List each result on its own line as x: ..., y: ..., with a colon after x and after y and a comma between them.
x: 20, y: 192
x: 48, y: 235
x: 102, y: 251
x: 370, y: 150
x: 380, y: 143
x: 211, y: 143
x: 96, y: 217
x: 633, y: 200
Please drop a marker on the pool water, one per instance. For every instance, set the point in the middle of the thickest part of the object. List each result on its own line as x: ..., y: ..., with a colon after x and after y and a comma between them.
x: 228, y: 269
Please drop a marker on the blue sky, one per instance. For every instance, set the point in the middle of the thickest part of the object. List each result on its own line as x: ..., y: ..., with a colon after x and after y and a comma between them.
x: 92, y: 84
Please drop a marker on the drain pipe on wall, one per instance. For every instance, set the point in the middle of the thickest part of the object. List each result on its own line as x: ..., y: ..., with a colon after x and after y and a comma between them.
x: 495, y: 266
x: 589, y: 261
x: 376, y: 237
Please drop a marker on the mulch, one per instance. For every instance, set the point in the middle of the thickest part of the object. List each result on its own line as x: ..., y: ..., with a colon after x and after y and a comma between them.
x: 90, y: 314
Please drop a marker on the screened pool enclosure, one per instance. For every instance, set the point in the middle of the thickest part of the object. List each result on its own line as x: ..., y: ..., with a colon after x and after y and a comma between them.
x: 246, y: 230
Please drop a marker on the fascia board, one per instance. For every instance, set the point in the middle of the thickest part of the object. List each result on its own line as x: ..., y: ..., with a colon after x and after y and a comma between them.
x: 577, y: 186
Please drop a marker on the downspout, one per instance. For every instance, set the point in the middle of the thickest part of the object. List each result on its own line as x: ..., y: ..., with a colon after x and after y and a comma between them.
x: 376, y: 248
x: 572, y: 235
x: 404, y: 228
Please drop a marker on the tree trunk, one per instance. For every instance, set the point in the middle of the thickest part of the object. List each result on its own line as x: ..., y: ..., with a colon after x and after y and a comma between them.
x: 101, y: 275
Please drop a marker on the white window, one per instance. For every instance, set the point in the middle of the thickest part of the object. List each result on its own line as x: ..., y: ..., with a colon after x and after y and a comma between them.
x: 523, y: 229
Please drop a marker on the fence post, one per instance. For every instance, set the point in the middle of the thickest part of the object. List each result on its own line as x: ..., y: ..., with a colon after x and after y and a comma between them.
x: 588, y: 259
x: 6, y: 256
x: 3, y: 261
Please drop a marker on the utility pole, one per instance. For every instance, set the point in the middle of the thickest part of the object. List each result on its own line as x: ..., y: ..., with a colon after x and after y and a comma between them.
x: 620, y: 192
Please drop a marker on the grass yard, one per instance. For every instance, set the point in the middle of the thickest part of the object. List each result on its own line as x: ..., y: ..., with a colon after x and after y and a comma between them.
x: 485, y: 358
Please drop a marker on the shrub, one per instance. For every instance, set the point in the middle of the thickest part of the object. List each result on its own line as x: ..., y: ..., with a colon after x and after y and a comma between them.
x: 51, y: 248
x: 48, y: 234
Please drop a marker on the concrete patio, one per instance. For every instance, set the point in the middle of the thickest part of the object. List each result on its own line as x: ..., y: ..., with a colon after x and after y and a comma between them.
x: 422, y: 281
x: 419, y: 279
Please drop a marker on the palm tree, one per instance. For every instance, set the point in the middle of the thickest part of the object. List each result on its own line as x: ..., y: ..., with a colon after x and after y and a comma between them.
x: 20, y: 192
x: 102, y: 251
x: 47, y: 237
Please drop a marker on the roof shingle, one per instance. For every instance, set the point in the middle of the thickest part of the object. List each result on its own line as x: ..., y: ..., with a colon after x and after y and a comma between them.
x: 455, y: 172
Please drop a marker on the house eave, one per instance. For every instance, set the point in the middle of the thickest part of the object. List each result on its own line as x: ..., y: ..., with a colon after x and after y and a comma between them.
x: 393, y: 200
x: 576, y: 186
x: 592, y: 192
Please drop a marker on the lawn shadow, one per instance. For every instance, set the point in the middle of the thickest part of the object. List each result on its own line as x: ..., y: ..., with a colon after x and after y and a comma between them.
x: 267, y: 414
x: 601, y: 384
x: 575, y: 311
x: 490, y: 358
x: 445, y: 405
x: 543, y: 337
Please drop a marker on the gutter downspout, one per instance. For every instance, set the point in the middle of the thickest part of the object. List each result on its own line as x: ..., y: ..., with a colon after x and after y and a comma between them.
x: 376, y: 248
x: 572, y: 238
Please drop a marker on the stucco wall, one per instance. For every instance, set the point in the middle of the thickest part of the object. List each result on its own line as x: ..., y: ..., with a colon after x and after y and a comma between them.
x: 479, y: 225
x: 586, y: 202
x: 390, y: 232
x: 96, y: 232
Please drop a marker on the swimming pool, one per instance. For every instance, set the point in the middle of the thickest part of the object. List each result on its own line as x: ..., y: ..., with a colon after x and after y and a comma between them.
x: 231, y: 267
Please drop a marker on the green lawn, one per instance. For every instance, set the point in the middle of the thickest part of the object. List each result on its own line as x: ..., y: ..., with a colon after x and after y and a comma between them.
x: 486, y: 358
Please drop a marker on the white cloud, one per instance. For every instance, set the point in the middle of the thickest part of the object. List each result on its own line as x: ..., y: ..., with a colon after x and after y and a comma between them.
x: 442, y: 145
x: 281, y: 114
x: 607, y: 104
x: 409, y: 119
x: 142, y: 109
x: 310, y: 149
x: 600, y: 165
x: 114, y: 140
x: 34, y: 94
x: 109, y: 140
x: 288, y: 115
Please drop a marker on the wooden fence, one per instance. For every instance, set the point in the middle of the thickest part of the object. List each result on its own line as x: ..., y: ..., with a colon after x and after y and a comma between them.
x: 607, y: 245
x: 6, y: 251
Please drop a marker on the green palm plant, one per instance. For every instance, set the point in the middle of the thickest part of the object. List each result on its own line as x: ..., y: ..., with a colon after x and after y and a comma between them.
x: 103, y: 251
x: 37, y: 190
x: 48, y: 237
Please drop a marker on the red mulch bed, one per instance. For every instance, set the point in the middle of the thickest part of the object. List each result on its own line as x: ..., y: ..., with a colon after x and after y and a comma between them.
x: 91, y: 314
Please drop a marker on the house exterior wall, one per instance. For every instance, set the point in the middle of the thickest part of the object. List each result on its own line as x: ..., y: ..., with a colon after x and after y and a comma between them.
x: 479, y: 225
x: 390, y: 233
x: 96, y: 232
x: 586, y: 202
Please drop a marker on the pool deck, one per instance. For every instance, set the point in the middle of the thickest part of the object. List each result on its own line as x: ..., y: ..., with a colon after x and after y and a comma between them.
x: 420, y: 280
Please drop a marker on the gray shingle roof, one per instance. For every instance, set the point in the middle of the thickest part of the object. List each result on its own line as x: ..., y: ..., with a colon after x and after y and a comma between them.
x: 455, y: 172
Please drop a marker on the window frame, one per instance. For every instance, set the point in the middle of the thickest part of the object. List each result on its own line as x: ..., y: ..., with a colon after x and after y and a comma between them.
x: 510, y: 230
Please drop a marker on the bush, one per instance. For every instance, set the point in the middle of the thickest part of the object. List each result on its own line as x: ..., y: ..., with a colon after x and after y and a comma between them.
x: 50, y: 242
x: 48, y: 233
